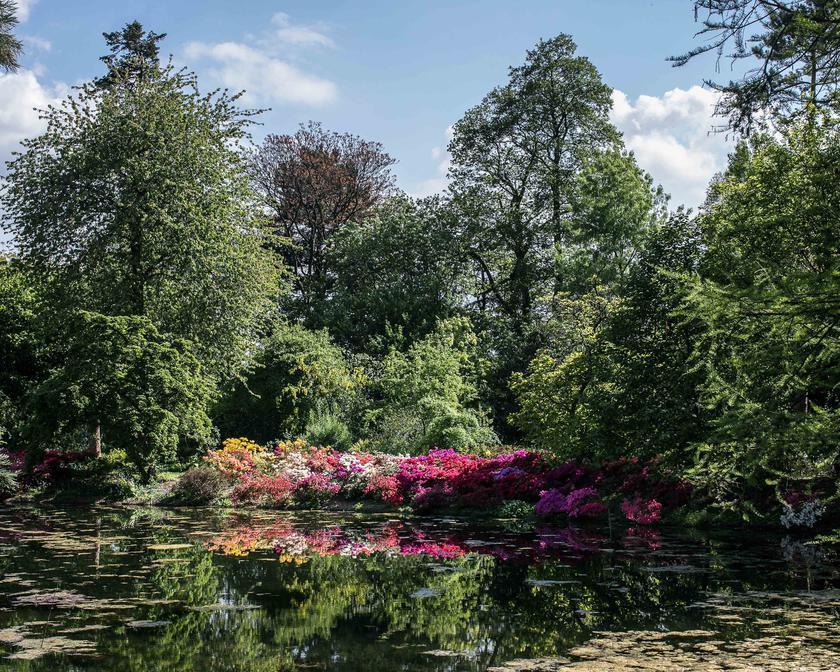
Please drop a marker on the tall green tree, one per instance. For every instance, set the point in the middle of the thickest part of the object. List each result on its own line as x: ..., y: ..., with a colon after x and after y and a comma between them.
x: 398, y: 268
x: 135, y: 201
x: 20, y: 356
x: 10, y: 46
x: 134, y: 57
x: 767, y: 295
x: 655, y: 403
x: 614, y: 206
x: 516, y: 159
x: 146, y: 391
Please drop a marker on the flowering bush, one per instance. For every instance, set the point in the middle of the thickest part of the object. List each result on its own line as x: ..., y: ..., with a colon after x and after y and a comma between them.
x: 806, y: 516
x: 643, y: 512
x: 237, y: 457
x: 262, y: 490
x: 291, y: 473
x: 580, y: 503
x: 56, y: 465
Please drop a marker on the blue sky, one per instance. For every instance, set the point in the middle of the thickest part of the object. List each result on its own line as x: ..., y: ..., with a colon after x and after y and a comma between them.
x: 398, y: 71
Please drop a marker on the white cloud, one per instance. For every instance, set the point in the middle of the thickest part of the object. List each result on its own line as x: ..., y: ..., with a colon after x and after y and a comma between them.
x: 440, y: 155
x: 265, y: 79
x: 258, y: 65
x: 673, y: 139
x: 20, y: 94
x: 295, y: 35
x: 37, y: 42
x: 23, y: 9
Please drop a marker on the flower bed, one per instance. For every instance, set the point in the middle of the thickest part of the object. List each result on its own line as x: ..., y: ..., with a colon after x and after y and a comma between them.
x: 295, y: 474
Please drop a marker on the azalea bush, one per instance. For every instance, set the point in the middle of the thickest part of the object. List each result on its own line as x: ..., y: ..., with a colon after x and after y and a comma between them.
x: 296, y: 473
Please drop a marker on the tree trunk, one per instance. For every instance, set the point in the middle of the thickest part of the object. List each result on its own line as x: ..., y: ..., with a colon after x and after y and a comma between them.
x: 95, y: 441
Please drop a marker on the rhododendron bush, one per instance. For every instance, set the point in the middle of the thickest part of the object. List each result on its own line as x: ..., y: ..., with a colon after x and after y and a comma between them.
x: 294, y: 473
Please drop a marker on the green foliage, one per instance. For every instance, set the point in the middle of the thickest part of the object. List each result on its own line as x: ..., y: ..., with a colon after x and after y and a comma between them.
x: 10, y: 46
x: 401, y: 266
x: 429, y: 393
x: 135, y: 201
x: 8, y: 478
x: 19, y: 346
x: 327, y: 429
x: 197, y: 487
x: 296, y: 372
x: 526, y: 179
x: 767, y: 298
x: 515, y: 508
x: 657, y: 406
x: 793, y: 46
x: 145, y: 390
x: 565, y: 395
x: 110, y: 478
x: 614, y: 206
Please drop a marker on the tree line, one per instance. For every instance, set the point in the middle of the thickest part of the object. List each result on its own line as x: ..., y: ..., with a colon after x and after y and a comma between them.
x: 173, y: 282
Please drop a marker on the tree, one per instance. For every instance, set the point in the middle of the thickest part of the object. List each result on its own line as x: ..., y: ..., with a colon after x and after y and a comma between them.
x: 614, y: 207
x: 515, y: 157
x: 428, y: 394
x: 796, y: 44
x: 656, y: 401
x: 399, y: 268
x: 146, y: 391
x: 298, y: 373
x: 767, y: 297
x: 134, y: 57
x: 565, y: 397
x: 313, y: 183
x: 134, y: 201
x: 10, y: 46
x: 615, y: 376
x: 20, y: 357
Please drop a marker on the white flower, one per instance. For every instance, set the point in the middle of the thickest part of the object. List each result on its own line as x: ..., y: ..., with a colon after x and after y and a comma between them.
x: 807, y: 516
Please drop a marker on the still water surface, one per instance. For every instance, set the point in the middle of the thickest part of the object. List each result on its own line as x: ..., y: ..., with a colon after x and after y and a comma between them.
x: 117, y: 589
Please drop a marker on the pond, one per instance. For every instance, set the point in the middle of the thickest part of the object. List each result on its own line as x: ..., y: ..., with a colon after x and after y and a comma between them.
x: 153, y: 589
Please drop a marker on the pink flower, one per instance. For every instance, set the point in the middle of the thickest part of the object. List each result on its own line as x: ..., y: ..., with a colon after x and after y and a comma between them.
x: 643, y: 512
x: 577, y: 504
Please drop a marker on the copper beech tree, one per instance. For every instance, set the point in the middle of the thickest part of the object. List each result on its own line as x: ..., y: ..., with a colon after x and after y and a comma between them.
x: 314, y: 182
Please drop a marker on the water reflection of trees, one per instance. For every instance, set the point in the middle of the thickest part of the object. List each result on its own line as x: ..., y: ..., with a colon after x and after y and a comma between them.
x: 352, y: 596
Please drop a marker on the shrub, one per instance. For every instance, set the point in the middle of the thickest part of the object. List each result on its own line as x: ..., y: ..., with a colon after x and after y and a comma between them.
x: 580, y: 503
x: 642, y: 511
x: 326, y: 429
x: 295, y: 471
x: 55, y: 466
x: 296, y: 371
x: 8, y: 478
x: 237, y: 457
x: 262, y: 490
x: 515, y: 508
x: 451, y: 426
x: 198, y: 486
